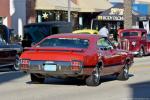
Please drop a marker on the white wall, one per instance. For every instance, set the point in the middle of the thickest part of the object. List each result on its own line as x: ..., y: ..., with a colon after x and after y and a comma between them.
x: 18, y: 13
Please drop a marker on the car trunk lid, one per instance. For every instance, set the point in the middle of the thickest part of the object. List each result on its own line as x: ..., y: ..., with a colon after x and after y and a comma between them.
x: 55, y: 54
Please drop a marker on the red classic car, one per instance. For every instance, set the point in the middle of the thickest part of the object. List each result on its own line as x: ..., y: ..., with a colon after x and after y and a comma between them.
x: 82, y: 56
x: 138, y: 41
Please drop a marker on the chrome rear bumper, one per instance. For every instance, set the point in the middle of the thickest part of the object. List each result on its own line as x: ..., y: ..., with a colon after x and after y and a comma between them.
x: 62, y: 68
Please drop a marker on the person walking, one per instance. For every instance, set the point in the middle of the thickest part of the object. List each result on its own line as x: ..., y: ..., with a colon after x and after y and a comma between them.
x: 104, y: 31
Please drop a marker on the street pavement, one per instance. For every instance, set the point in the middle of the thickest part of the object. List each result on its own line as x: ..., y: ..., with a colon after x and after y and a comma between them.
x: 17, y: 86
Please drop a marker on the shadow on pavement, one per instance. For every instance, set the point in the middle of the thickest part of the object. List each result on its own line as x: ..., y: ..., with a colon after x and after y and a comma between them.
x: 73, y: 81
x: 10, y: 75
x: 140, y: 91
x: 58, y: 81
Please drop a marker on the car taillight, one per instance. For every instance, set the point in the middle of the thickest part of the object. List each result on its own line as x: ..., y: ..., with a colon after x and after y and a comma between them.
x: 25, y: 61
x: 24, y: 64
x: 76, y: 65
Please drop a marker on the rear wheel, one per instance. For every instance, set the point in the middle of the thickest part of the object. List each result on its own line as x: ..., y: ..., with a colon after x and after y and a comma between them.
x: 124, y: 74
x: 36, y: 79
x: 94, y: 79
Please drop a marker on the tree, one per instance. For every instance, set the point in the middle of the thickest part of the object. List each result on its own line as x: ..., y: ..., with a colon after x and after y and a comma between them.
x: 127, y: 14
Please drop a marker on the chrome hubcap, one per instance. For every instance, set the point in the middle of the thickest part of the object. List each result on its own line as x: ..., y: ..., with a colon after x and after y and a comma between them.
x: 16, y: 66
x: 96, y: 75
x: 141, y: 52
x: 126, y: 71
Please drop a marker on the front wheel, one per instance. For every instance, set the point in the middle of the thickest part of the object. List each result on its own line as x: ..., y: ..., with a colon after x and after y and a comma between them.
x: 15, y: 67
x: 94, y: 79
x: 141, y: 52
x: 124, y: 74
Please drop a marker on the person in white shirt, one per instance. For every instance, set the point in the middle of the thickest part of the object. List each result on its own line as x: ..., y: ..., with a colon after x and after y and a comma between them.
x: 104, y: 31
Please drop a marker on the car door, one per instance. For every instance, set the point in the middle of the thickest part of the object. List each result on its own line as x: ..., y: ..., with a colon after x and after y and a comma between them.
x: 111, y: 58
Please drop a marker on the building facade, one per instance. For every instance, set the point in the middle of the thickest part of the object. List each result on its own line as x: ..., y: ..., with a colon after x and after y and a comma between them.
x: 16, y: 13
x: 13, y: 15
x: 82, y: 11
x: 5, y: 17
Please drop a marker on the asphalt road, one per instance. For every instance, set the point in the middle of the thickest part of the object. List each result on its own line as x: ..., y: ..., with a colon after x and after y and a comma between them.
x: 17, y: 86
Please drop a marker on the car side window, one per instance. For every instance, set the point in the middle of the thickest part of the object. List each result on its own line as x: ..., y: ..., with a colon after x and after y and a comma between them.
x: 104, y: 44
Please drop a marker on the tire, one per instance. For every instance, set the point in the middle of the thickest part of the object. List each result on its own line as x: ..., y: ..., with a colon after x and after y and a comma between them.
x: 15, y: 67
x: 36, y: 79
x: 94, y: 79
x: 141, y: 52
x: 124, y: 74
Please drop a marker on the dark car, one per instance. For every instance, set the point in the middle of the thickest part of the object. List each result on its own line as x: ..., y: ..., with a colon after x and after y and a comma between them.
x: 82, y: 56
x: 138, y: 41
x: 35, y: 32
x: 9, y: 59
x: 9, y: 54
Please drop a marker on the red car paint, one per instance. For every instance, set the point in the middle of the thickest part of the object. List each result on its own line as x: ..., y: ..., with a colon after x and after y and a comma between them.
x: 81, y: 60
x: 137, y: 42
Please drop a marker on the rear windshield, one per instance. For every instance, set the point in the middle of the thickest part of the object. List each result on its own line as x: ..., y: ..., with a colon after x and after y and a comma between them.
x: 65, y: 42
x: 129, y: 34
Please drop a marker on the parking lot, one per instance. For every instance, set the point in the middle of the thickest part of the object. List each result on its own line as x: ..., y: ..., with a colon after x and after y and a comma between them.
x: 17, y: 86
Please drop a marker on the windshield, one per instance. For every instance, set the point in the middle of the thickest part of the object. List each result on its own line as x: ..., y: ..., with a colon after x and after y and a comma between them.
x: 65, y: 42
x: 124, y: 34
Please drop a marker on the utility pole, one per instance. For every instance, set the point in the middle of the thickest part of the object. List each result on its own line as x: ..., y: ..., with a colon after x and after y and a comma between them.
x: 127, y: 14
x: 69, y: 10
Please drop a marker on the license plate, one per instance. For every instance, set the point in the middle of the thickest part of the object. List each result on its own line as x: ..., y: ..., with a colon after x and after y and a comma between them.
x: 50, y: 67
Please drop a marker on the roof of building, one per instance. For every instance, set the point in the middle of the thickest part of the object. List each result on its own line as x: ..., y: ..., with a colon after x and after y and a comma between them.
x: 93, y: 5
x: 80, y: 6
x: 55, y: 5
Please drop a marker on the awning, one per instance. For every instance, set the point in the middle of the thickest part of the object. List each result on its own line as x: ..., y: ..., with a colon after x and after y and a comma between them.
x: 93, y: 5
x: 115, y: 14
x: 55, y: 5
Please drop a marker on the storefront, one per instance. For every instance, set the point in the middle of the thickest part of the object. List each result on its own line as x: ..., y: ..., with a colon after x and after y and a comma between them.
x: 55, y: 10
x: 114, y: 19
x: 81, y: 14
x: 87, y: 13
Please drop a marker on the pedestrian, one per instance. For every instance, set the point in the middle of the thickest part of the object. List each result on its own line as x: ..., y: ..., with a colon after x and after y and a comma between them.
x: 104, y: 31
x: 112, y: 40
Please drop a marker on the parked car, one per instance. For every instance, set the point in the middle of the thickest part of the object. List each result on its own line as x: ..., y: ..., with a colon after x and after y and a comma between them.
x: 138, y: 41
x: 82, y: 56
x: 9, y: 59
x: 5, y: 40
x: 9, y: 54
x: 85, y: 31
x: 35, y: 32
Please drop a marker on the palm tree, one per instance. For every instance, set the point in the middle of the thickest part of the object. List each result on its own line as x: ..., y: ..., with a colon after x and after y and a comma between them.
x: 127, y: 14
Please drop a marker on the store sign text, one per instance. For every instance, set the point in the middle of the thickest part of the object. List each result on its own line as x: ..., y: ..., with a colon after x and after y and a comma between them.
x: 111, y: 18
x: 116, y: 11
